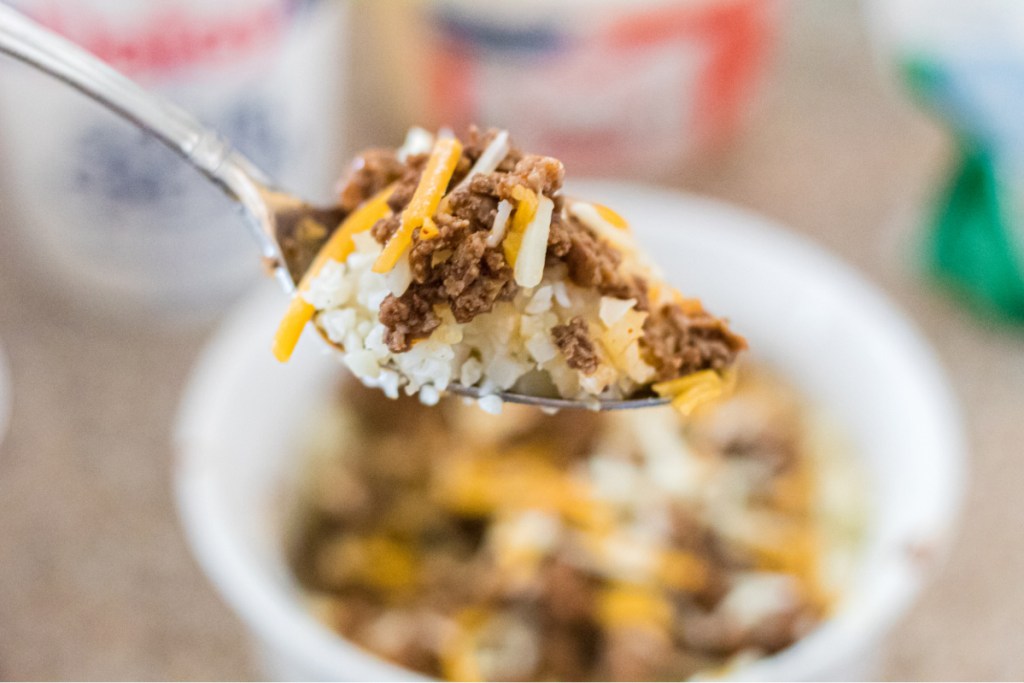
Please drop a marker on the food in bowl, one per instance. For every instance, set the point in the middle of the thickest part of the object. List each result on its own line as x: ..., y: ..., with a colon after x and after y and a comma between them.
x: 577, y: 546
x: 465, y: 263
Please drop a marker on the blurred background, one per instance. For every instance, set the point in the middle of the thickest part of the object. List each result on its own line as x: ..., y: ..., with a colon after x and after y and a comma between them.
x: 878, y: 130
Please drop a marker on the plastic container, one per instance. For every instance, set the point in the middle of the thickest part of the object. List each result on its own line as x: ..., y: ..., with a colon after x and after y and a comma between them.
x: 964, y: 64
x: 112, y: 216
x: 630, y: 88
x: 806, y: 313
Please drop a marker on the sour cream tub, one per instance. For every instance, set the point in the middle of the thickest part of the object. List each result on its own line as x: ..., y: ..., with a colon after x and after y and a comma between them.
x: 809, y: 315
x: 118, y: 221
x: 611, y: 87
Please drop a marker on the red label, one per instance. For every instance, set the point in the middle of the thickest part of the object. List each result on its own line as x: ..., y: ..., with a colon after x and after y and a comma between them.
x: 638, y: 85
x: 168, y: 37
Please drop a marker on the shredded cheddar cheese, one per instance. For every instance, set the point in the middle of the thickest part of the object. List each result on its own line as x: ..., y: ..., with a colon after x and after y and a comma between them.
x: 433, y: 184
x: 793, y: 546
x: 533, y: 247
x: 526, y: 208
x: 458, y: 650
x: 388, y: 564
x: 428, y: 230
x: 682, y: 570
x: 689, y: 306
x: 611, y: 217
x: 690, y: 392
x: 627, y: 606
x: 337, y: 248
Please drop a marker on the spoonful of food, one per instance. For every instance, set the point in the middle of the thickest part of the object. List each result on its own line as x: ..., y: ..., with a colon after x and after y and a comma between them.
x: 447, y: 265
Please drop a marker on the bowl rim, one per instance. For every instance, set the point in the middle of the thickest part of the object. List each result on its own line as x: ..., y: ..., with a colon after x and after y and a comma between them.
x: 277, y: 618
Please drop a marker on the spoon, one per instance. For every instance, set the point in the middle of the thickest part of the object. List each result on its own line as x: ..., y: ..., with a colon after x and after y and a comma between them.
x: 271, y: 214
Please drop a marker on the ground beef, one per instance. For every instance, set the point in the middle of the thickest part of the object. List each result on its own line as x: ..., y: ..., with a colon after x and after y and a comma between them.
x: 370, y: 173
x: 593, y: 263
x: 543, y: 175
x: 399, y: 199
x: 574, y: 341
x: 407, y: 182
x: 426, y: 255
x: 559, y: 236
x: 569, y: 592
x: 407, y: 318
x: 775, y: 448
x: 678, y: 342
x: 383, y: 229
x: 456, y: 268
x: 477, y: 142
x: 478, y: 202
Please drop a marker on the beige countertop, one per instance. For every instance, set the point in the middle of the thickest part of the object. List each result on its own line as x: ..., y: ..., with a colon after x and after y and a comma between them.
x: 95, y: 577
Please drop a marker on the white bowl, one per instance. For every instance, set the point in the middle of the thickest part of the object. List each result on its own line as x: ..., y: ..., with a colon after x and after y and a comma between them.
x: 805, y: 312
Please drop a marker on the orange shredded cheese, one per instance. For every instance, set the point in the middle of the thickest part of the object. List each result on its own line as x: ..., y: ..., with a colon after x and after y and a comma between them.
x: 654, y: 293
x: 526, y: 208
x: 689, y: 306
x: 612, y: 217
x: 518, y: 479
x: 388, y: 564
x: 627, y: 606
x: 337, y: 248
x: 690, y: 392
x: 458, y: 649
x: 433, y: 184
x: 429, y: 230
x: 682, y: 570
x: 793, y: 546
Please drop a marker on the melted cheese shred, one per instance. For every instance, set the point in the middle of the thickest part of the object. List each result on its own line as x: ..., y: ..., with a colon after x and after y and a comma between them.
x: 692, y: 391
x: 526, y: 208
x: 431, y: 189
x: 612, y: 217
x: 490, y: 159
x: 337, y: 248
x: 533, y: 248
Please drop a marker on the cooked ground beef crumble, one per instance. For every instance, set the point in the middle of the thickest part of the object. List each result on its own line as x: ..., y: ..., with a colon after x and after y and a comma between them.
x: 574, y: 341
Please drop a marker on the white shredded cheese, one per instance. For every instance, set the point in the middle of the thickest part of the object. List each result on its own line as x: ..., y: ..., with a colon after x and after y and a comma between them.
x: 531, y: 530
x: 417, y: 141
x: 400, y: 277
x: 562, y: 294
x: 627, y: 557
x: 612, y: 309
x: 533, y: 251
x: 489, y: 159
x: 500, y: 224
x: 758, y: 595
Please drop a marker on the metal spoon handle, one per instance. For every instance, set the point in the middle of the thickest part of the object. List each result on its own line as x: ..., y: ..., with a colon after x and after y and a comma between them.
x: 201, y: 147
